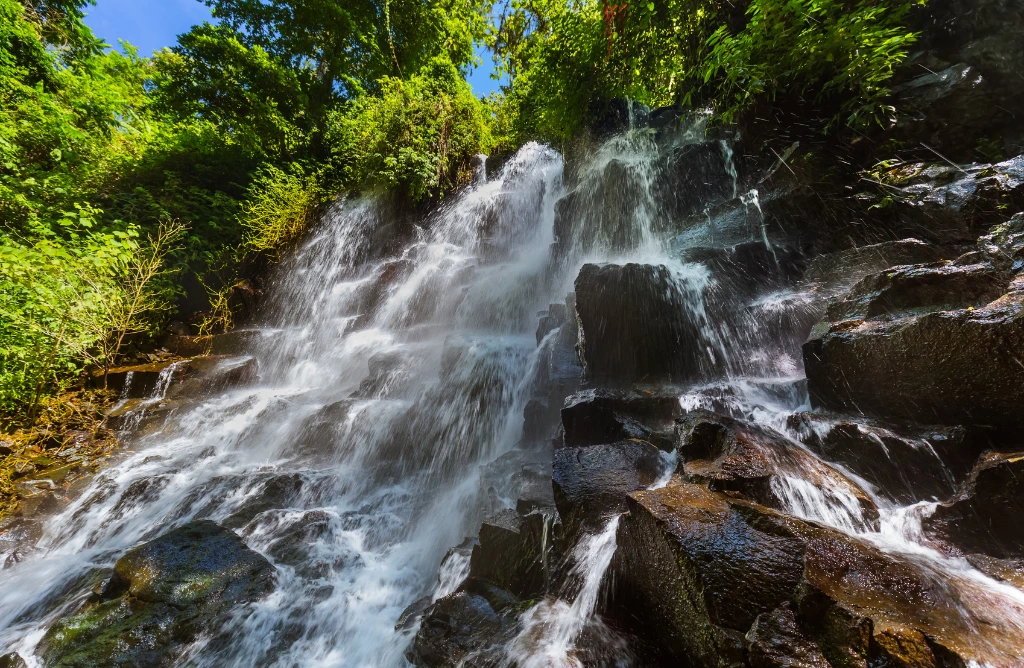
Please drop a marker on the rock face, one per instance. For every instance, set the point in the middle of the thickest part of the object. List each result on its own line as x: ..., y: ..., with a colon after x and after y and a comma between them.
x: 987, y: 515
x: 849, y: 266
x: 944, y: 367
x: 637, y: 324
x: 928, y: 463
x: 711, y: 576
x: 599, y: 416
x: 593, y: 482
x: 466, y: 628
x: 512, y: 552
x: 729, y: 455
x: 160, y: 597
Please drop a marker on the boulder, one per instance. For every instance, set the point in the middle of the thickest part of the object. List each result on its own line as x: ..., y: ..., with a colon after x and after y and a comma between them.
x: 775, y: 641
x: 388, y: 373
x: 592, y: 483
x: 597, y: 416
x: 639, y: 323
x: 987, y: 515
x: 707, y: 575
x: 12, y: 660
x: 841, y: 269
x: 550, y: 320
x: 750, y: 266
x: 906, y: 465
x: 466, y: 628
x: 951, y: 367
x: 160, y: 597
x: 738, y: 457
x: 906, y: 290
x: 512, y: 552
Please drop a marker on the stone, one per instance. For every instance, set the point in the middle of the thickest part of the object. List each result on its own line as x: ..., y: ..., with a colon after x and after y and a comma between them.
x: 387, y: 375
x: 550, y: 320
x: 987, y: 515
x: 636, y: 325
x: 465, y: 628
x: 920, y: 289
x: 161, y: 596
x: 512, y: 552
x: 775, y: 641
x: 750, y: 266
x: 698, y: 569
x: 12, y: 660
x: 738, y: 457
x: 592, y: 483
x: 957, y: 367
x: 908, y: 465
x: 598, y: 416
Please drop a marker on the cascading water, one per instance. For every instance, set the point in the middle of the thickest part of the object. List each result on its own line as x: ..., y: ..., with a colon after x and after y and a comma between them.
x: 353, y: 486
x: 389, y: 378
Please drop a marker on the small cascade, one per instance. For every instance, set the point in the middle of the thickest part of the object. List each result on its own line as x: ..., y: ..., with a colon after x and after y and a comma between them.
x: 552, y: 627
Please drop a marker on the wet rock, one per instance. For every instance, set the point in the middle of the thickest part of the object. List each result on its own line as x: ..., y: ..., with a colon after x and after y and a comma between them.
x: 12, y: 660
x: 844, y: 268
x: 161, y: 596
x: 550, y: 320
x: 1010, y: 571
x: 592, y: 483
x: 952, y: 367
x: 920, y: 289
x: 738, y: 457
x: 987, y: 515
x: 387, y: 373
x: 1003, y: 246
x: 466, y: 628
x: 697, y: 569
x: 775, y: 641
x: 946, y: 203
x: 233, y: 342
x: 907, y: 466
x: 751, y: 266
x: 634, y: 324
x: 512, y: 551
x: 597, y: 416
x: 137, y: 381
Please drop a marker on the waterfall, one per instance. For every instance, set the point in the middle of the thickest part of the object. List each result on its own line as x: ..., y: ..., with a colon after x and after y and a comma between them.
x: 395, y: 358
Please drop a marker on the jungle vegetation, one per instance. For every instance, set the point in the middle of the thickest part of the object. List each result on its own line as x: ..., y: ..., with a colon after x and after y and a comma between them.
x: 121, y: 172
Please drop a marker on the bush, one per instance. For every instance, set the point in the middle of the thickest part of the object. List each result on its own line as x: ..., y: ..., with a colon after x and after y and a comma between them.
x: 418, y: 135
x: 279, y: 207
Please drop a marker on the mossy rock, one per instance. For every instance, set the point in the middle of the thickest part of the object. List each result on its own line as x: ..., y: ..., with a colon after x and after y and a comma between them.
x: 160, y: 597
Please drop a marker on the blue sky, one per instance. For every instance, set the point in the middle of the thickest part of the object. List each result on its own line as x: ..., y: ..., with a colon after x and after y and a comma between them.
x: 154, y: 24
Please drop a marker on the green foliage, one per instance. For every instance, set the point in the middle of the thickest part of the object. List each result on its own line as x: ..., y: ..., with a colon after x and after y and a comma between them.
x: 569, y: 60
x: 237, y: 134
x: 280, y: 207
x: 837, y: 49
x: 418, y: 135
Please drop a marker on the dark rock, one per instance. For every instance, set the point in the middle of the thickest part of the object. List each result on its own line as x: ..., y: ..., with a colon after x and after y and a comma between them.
x: 592, y: 483
x: 12, y: 660
x: 953, y: 367
x: 321, y: 431
x: 233, y: 342
x: 920, y: 289
x: 907, y: 466
x: 597, y: 416
x: 511, y: 552
x: 749, y: 266
x: 698, y: 568
x: 733, y: 456
x: 387, y: 374
x: 1003, y: 246
x: 161, y: 596
x: 775, y: 641
x: 947, y: 203
x: 635, y: 325
x: 412, y: 614
x: 465, y: 628
x: 987, y: 515
x: 550, y: 320
x: 1010, y: 571
x: 844, y: 268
